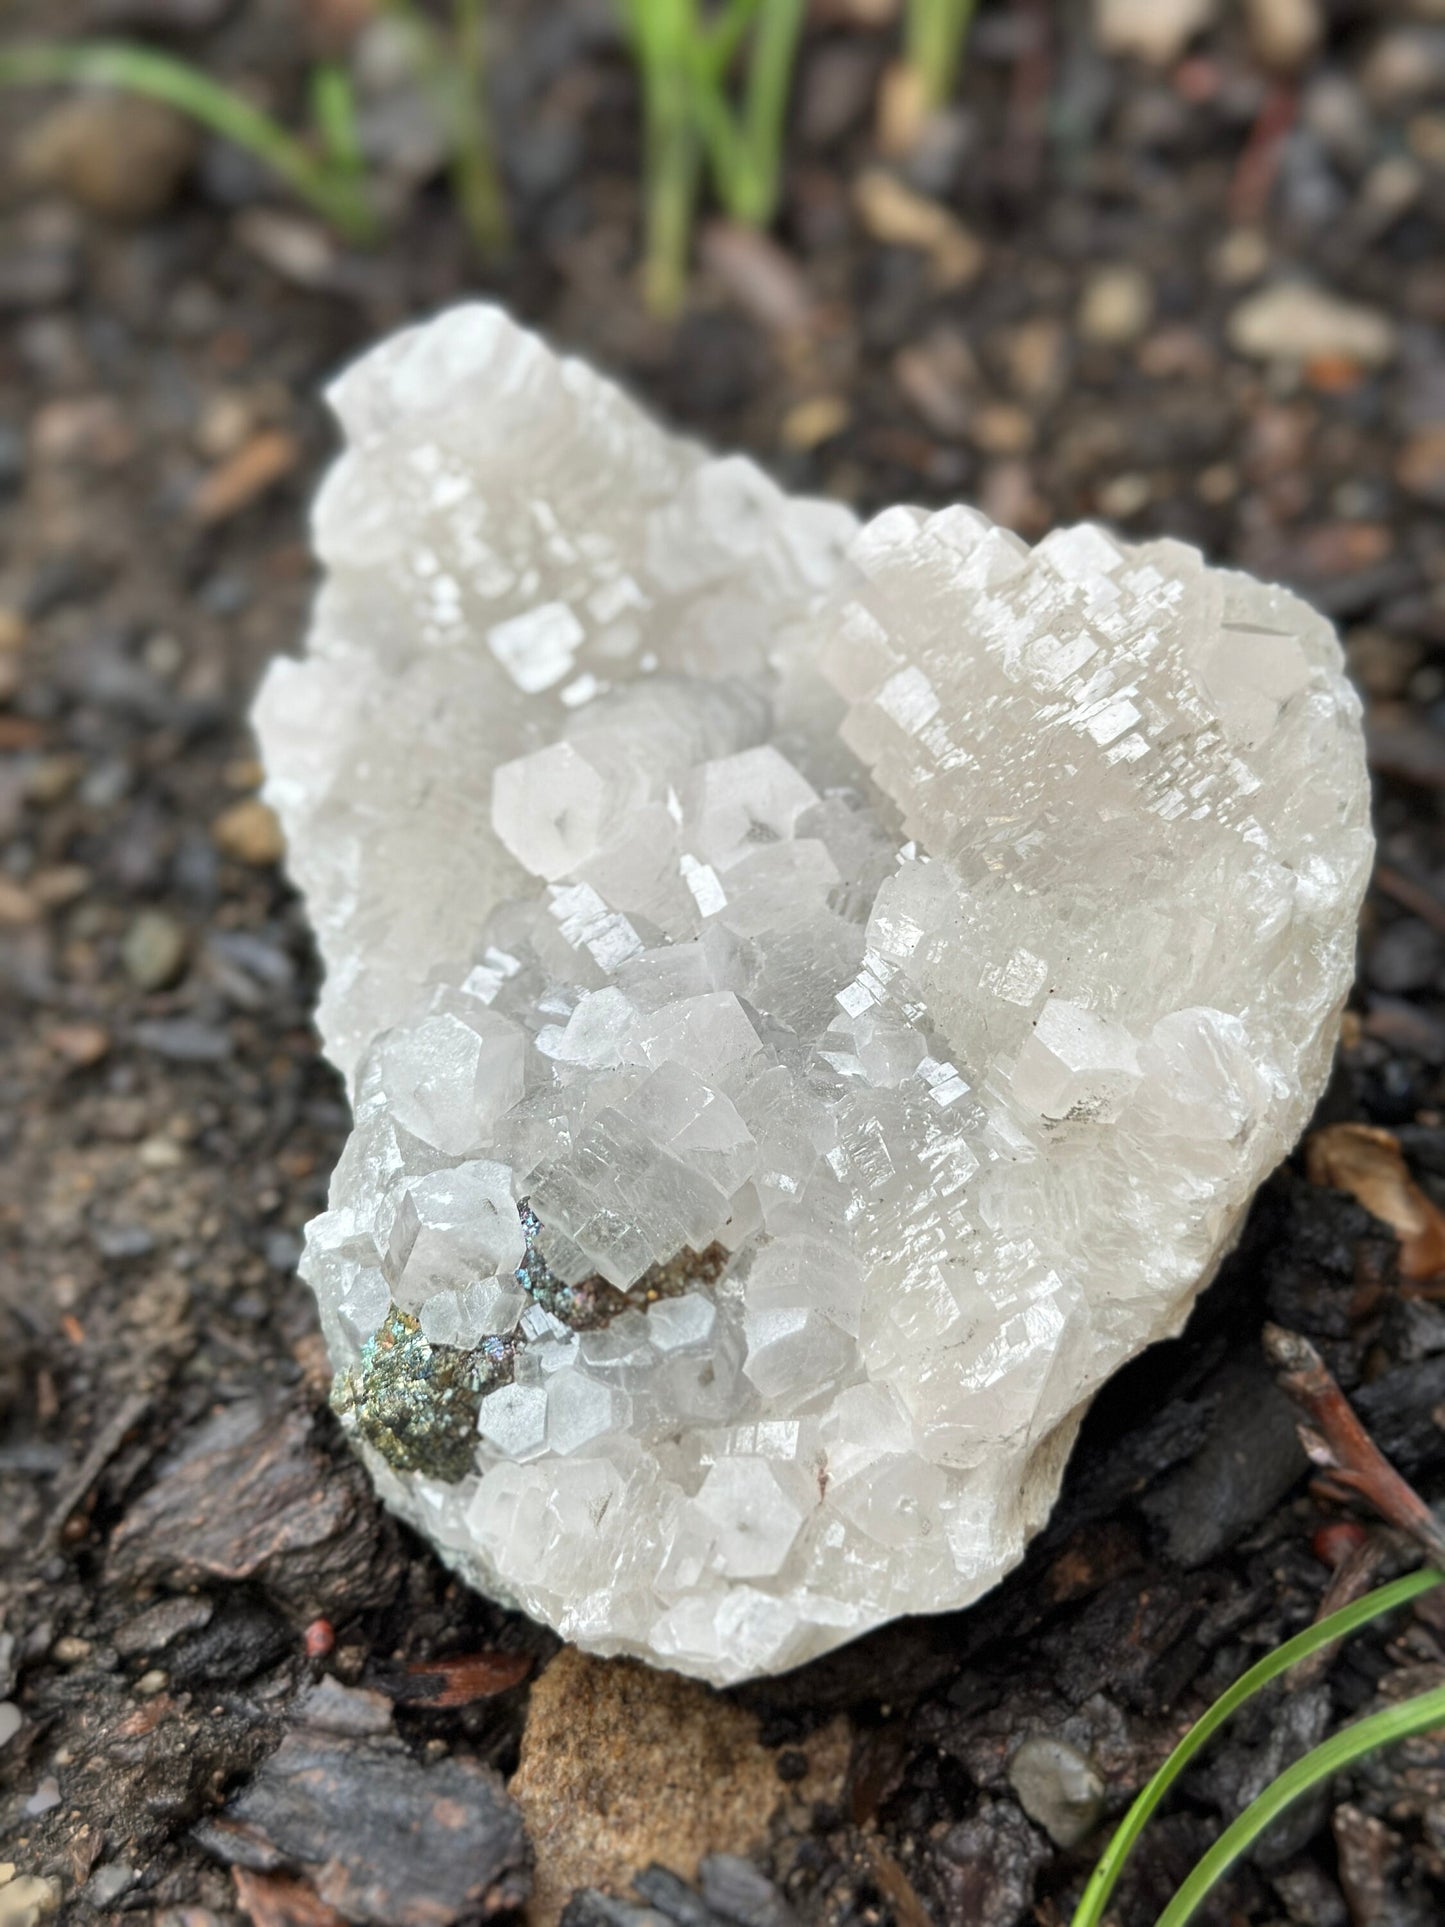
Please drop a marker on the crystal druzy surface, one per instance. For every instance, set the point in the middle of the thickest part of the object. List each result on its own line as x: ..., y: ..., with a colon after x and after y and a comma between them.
x: 816, y: 998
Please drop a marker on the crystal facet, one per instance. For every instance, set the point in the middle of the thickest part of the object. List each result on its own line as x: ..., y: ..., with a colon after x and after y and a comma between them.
x: 816, y: 999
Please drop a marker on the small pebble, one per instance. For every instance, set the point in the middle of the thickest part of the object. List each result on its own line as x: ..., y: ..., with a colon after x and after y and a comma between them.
x: 26, y: 1900
x: 151, y: 1683
x: 808, y: 424
x: 1284, y: 33
x: 71, y: 1650
x: 1117, y: 306
x: 1124, y: 495
x: 1420, y: 469
x: 44, y: 1798
x: 1000, y: 428
x: 1292, y: 321
x: 1154, y: 30
x: 17, y: 905
x: 154, y: 951
x: 118, y: 154
x: 107, y: 1884
x: 895, y: 215
x: 11, y: 1721
x: 250, y: 833
x: 1058, y: 1787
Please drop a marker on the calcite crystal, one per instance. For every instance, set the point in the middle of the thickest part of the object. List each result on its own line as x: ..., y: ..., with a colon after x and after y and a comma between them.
x: 816, y: 998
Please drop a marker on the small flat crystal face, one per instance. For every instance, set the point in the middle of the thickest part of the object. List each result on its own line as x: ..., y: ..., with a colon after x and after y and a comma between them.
x: 816, y: 999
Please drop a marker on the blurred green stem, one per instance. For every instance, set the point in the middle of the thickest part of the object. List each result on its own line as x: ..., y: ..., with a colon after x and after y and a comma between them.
x: 336, y: 193
x: 455, y: 75
x: 662, y: 37
x: 934, y: 34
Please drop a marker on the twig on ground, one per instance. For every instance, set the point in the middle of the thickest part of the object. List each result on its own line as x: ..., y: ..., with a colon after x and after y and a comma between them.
x: 107, y: 1443
x: 1336, y: 1442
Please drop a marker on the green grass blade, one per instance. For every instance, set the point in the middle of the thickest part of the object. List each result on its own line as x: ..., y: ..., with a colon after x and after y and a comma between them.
x: 1324, y: 1632
x: 724, y: 36
x: 934, y: 33
x: 453, y: 73
x: 664, y: 35
x: 478, y: 178
x: 333, y: 108
x: 141, y: 70
x: 1417, y: 1715
x: 770, y: 80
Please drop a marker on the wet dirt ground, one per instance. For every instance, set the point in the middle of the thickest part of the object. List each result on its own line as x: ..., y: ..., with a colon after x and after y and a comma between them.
x: 210, y: 1633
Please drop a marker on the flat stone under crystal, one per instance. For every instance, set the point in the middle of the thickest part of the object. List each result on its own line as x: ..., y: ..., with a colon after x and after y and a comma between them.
x: 816, y: 998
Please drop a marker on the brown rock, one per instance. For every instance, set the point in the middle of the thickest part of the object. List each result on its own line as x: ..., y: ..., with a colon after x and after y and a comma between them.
x: 17, y: 905
x: 894, y: 214
x: 1421, y: 467
x: 249, y: 832
x: 80, y: 1045
x: 381, y: 1836
x: 116, y: 154
x: 762, y: 279
x: 1284, y: 33
x: 623, y: 1767
x: 249, y: 1495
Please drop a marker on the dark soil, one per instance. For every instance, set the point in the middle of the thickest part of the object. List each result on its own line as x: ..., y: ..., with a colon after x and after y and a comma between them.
x: 191, y: 1567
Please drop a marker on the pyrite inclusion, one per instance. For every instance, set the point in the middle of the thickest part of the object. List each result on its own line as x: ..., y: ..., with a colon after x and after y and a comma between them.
x: 816, y: 998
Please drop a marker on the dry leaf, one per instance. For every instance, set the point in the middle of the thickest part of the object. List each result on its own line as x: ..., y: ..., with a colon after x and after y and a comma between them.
x: 1369, y: 1164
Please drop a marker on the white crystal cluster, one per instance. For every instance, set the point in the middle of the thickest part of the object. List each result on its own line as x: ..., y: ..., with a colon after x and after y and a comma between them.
x: 817, y: 999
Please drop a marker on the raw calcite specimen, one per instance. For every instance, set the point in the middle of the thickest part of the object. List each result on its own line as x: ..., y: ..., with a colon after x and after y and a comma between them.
x: 816, y: 999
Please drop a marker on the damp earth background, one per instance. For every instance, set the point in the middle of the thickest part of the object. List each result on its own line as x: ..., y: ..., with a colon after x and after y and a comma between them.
x: 188, y: 1548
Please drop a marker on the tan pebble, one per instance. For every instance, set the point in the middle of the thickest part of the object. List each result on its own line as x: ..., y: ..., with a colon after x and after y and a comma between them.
x: 1241, y: 257
x: 623, y: 1765
x: 81, y: 1045
x: 1035, y: 352
x: 1117, y: 306
x: 17, y: 905
x: 1420, y: 469
x: 999, y: 428
x: 1217, y: 484
x: 149, y: 1684
x: 1294, y: 321
x: 14, y: 630
x: 894, y: 214
x: 902, y: 110
x: 808, y: 424
x: 1124, y: 495
x: 1154, y: 30
x: 58, y: 884
x: 154, y: 950
x: 1284, y: 33
x: 53, y: 778
x: 226, y: 421
x: 1426, y: 136
x: 26, y: 1900
x: 159, y: 1154
x: 250, y: 833
x: 71, y: 1650
x: 256, y: 467
x: 118, y: 154
x: 83, y: 431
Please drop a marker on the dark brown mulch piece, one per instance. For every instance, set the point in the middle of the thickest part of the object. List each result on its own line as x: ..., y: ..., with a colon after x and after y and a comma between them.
x: 249, y: 1495
x: 384, y: 1839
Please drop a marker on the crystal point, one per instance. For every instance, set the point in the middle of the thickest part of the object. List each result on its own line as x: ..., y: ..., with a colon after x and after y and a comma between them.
x: 816, y: 998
